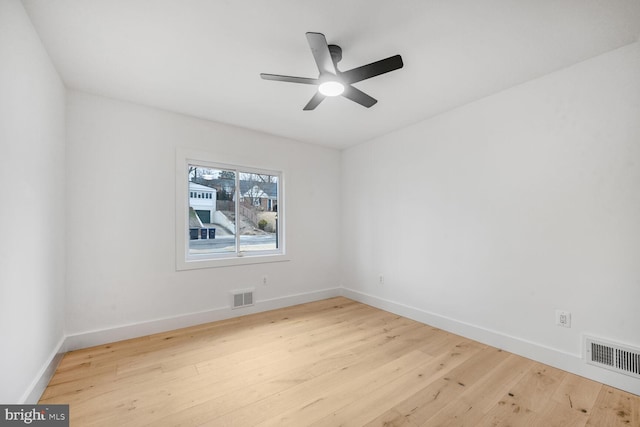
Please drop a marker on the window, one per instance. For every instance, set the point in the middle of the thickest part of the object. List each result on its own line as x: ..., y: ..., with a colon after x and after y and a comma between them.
x: 227, y: 214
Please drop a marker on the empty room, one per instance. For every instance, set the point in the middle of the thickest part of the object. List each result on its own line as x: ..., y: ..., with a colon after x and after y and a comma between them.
x: 333, y: 214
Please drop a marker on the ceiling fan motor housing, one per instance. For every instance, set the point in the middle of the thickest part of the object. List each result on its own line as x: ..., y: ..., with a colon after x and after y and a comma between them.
x: 336, y: 53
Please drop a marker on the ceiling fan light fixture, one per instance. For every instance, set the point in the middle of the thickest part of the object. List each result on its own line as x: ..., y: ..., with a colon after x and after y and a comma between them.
x: 331, y: 88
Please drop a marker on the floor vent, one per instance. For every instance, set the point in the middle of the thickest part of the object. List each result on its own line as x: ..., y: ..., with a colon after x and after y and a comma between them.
x: 242, y: 299
x: 615, y: 357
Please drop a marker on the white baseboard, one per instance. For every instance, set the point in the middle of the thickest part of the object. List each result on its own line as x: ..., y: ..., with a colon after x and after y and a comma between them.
x: 135, y: 330
x: 40, y: 382
x: 573, y: 363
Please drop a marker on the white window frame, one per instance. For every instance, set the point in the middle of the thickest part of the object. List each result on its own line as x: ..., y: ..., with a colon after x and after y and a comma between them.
x: 185, y: 261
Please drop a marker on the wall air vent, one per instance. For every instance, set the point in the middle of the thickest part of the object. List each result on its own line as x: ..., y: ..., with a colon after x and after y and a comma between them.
x: 242, y: 299
x: 615, y: 357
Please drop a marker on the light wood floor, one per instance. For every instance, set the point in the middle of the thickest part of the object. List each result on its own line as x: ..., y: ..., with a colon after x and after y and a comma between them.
x: 329, y: 363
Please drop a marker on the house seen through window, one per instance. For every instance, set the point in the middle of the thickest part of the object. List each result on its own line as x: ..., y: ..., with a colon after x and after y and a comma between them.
x: 232, y: 212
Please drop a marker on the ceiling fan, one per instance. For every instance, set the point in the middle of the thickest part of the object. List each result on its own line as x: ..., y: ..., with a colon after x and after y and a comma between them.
x: 333, y: 82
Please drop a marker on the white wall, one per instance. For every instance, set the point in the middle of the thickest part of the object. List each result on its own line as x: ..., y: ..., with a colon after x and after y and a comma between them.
x: 121, y: 245
x: 500, y: 212
x: 32, y: 194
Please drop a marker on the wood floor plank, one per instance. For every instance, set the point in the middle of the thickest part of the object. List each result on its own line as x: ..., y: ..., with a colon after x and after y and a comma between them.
x: 350, y: 390
x: 571, y: 402
x: 274, y: 397
x: 328, y: 363
x: 420, y: 406
x: 299, y: 368
x: 527, y: 399
x: 359, y: 411
x: 479, y: 398
x: 615, y: 408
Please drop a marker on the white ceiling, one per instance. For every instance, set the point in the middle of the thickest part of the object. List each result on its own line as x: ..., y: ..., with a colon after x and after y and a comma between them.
x: 203, y: 57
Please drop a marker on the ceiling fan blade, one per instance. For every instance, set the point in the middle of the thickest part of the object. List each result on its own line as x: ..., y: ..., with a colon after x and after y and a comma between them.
x: 356, y: 95
x: 314, y: 101
x: 290, y: 79
x: 371, y: 70
x: 320, y: 51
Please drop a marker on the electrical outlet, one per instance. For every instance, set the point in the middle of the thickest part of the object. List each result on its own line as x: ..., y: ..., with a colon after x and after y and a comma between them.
x: 563, y: 318
x: 381, y: 279
x: 265, y: 280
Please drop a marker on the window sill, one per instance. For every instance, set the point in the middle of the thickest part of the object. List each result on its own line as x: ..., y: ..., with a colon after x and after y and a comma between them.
x: 194, y: 264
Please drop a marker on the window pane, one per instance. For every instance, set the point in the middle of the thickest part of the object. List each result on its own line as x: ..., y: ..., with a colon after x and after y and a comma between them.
x: 212, y: 224
x: 258, y: 212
